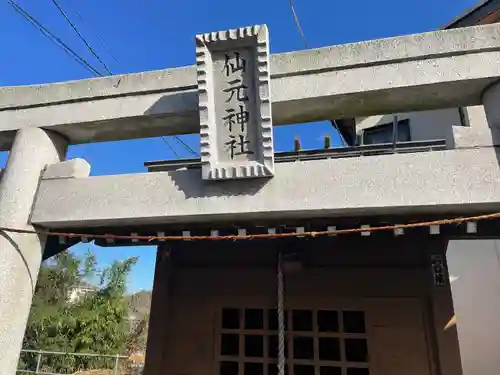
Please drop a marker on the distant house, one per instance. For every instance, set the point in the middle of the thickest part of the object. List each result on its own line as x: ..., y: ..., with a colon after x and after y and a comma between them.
x: 139, y: 305
x: 80, y: 291
x: 133, y: 321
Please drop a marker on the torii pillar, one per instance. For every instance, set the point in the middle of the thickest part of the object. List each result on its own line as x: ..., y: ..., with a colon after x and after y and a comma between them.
x: 21, y: 254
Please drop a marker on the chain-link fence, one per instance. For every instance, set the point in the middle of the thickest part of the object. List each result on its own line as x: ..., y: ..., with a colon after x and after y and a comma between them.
x: 60, y: 363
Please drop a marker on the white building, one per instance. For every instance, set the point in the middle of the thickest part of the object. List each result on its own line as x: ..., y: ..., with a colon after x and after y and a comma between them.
x: 80, y: 291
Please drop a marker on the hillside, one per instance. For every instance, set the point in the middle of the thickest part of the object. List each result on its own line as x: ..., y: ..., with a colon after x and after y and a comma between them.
x: 139, y: 303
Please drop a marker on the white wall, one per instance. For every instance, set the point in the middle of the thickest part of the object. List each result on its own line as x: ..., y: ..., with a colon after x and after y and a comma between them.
x: 77, y: 293
x: 476, y: 298
x: 424, y: 125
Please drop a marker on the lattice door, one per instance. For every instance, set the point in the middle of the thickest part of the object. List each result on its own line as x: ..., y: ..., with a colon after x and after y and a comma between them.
x: 318, y: 342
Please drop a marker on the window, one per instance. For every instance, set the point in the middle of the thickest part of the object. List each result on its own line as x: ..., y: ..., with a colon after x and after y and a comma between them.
x: 383, y: 133
x: 317, y: 342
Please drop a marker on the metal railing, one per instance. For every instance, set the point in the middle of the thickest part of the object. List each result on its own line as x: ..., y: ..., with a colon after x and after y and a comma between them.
x: 318, y: 154
x: 40, y: 354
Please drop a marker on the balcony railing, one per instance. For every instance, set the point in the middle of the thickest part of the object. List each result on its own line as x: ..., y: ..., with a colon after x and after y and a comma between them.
x: 317, y: 154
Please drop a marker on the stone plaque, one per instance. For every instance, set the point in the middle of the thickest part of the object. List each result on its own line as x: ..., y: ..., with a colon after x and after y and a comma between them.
x: 236, y: 132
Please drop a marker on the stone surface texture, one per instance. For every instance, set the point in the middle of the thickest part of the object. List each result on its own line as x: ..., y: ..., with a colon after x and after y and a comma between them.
x: 75, y: 168
x: 450, y: 180
x: 21, y: 254
x: 236, y: 135
x: 433, y: 70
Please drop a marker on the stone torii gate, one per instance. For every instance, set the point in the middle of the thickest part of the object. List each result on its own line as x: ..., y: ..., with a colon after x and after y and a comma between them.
x: 39, y: 189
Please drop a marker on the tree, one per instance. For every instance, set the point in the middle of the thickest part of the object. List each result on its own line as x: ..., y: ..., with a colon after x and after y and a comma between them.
x: 97, y: 323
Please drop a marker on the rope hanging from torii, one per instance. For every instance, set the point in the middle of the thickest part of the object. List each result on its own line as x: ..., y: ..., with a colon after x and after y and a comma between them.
x: 281, y: 316
x: 312, y: 234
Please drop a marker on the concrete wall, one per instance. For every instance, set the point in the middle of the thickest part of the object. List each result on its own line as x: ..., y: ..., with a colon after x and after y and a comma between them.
x: 388, y: 279
x: 467, y: 131
x: 475, y: 266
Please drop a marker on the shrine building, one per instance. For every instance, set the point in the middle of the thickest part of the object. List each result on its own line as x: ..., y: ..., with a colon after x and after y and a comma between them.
x: 352, y: 260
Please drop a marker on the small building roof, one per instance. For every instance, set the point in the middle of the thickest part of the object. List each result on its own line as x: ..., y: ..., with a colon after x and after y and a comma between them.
x: 477, y: 15
x: 86, y: 285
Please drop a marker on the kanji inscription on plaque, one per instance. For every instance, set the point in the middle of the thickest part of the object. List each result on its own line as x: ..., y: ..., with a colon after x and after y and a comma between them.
x: 236, y: 132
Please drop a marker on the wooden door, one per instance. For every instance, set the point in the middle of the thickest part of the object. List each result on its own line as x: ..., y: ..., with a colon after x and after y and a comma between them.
x: 397, y: 335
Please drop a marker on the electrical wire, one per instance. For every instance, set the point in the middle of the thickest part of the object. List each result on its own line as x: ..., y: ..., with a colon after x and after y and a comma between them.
x: 336, y: 126
x: 96, y: 34
x: 178, y: 139
x: 170, y: 147
x: 297, y: 23
x: 105, y: 67
x: 81, y: 37
x: 54, y: 39
x: 80, y: 60
x: 109, y: 72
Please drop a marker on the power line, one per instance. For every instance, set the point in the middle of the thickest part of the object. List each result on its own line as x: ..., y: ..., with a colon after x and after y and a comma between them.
x: 170, y: 147
x: 102, y: 62
x: 178, y: 139
x: 97, y: 35
x: 81, y: 36
x: 336, y: 126
x: 297, y: 23
x: 57, y: 44
x: 84, y: 63
x: 54, y: 39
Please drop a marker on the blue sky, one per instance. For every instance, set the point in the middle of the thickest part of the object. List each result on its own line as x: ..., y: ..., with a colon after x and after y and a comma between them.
x: 152, y: 34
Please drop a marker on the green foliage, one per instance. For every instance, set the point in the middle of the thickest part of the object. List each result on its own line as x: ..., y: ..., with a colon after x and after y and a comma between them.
x: 95, y: 323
